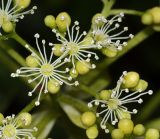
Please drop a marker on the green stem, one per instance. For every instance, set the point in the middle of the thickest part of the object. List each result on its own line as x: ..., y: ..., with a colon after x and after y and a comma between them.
x: 126, y: 11
x: 149, y: 108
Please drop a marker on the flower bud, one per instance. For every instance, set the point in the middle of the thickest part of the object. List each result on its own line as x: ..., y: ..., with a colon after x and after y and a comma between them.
x: 155, y: 14
x: 24, y: 119
x: 87, y: 41
x: 110, y: 51
x: 50, y: 21
x: 156, y: 27
x: 105, y: 94
x: 141, y: 86
x: 7, y: 27
x: 131, y: 79
x: 58, y: 50
x: 82, y: 67
x: 23, y: 3
x: 117, y: 134
x: 53, y: 86
x: 152, y: 134
x: 92, y: 132
x: 147, y: 18
x: 31, y: 61
x: 98, y: 19
x: 73, y: 73
x: 63, y: 20
x: 1, y: 118
x: 126, y: 125
x: 139, y: 130
x: 88, y: 118
x: 125, y: 115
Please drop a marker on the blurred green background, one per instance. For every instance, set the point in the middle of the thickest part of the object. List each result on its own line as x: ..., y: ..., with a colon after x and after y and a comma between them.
x: 145, y: 59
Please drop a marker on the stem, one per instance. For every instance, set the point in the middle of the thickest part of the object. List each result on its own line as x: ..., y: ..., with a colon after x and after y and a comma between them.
x: 126, y: 11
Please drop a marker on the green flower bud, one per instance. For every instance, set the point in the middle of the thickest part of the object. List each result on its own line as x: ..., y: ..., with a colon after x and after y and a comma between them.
x: 92, y: 132
x: 88, y: 118
x: 147, y: 18
x: 31, y: 61
x: 117, y: 134
x: 63, y: 20
x: 24, y: 119
x: 110, y: 51
x: 156, y: 28
x: 53, y: 86
x: 131, y: 79
x: 73, y: 73
x: 1, y: 118
x: 58, y: 50
x: 142, y: 86
x: 126, y: 125
x: 50, y: 21
x: 98, y: 19
x: 125, y: 115
x: 87, y: 41
x: 7, y: 27
x: 82, y: 67
x: 23, y: 3
x: 155, y: 14
x: 105, y: 94
x: 152, y: 134
x: 139, y: 130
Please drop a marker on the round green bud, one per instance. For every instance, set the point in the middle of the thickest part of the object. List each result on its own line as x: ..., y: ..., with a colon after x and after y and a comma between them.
x: 23, y: 3
x: 87, y: 41
x: 117, y: 134
x: 82, y: 67
x: 73, y: 73
x: 139, y: 130
x: 24, y: 119
x: 126, y: 125
x: 7, y: 27
x: 110, y: 51
x: 92, y: 132
x: 105, y: 94
x: 155, y: 14
x: 88, y: 118
x: 57, y: 50
x: 50, y: 21
x: 125, y: 115
x: 53, y: 86
x: 141, y: 86
x: 98, y: 19
x: 152, y: 134
x: 31, y: 61
x: 1, y: 118
x: 147, y: 18
x: 131, y: 79
x: 156, y: 28
x: 62, y: 21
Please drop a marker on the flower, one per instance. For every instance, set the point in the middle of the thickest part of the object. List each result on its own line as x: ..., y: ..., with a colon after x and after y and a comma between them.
x: 10, y: 129
x: 114, y: 108
x: 45, y: 72
x: 9, y: 13
x: 105, y: 35
x: 74, y: 49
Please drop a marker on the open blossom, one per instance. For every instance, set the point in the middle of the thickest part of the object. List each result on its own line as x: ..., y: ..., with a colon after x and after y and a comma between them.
x: 106, y: 35
x: 10, y: 129
x: 114, y: 108
x: 75, y: 49
x: 46, y: 71
x: 12, y: 13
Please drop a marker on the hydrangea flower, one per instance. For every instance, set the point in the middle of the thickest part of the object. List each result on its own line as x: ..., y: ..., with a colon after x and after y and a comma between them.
x: 114, y: 108
x: 74, y: 48
x: 10, y: 129
x: 46, y: 71
x: 105, y: 35
x: 12, y: 13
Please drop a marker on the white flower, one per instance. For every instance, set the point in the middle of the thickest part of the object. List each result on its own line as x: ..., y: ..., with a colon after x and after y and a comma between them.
x: 74, y: 48
x: 113, y: 108
x: 47, y: 70
x: 105, y: 35
x: 10, y: 129
x: 12, y: 13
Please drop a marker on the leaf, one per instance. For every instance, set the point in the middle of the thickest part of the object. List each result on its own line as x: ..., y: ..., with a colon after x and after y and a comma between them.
x: 73, y: 114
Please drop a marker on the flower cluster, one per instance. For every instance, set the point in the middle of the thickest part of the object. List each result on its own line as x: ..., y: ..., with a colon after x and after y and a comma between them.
x: 113, y: 106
